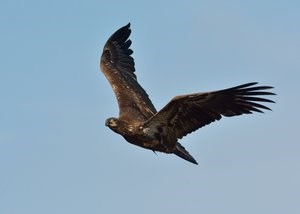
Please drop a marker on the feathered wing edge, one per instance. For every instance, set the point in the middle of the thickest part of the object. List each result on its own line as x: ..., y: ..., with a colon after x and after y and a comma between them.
x: 118, y: 66
x: 246, y: 98
x: 187, y: 113
x: 117, y: 53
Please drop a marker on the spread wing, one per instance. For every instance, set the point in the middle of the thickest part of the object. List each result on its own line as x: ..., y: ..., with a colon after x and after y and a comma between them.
x: 185, y: 114
x: 118, y: 67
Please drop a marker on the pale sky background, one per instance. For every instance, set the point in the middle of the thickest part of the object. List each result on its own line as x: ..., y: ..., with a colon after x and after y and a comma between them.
x: 56, y: 155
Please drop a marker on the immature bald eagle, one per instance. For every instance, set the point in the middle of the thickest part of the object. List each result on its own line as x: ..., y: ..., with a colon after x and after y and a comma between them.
x: 139, y: 122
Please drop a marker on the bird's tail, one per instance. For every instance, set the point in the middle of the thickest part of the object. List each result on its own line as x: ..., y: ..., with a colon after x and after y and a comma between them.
x: 181, y: 152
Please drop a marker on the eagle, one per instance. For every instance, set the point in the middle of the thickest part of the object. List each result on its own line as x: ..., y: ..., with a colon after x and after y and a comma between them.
x: 139, y: 122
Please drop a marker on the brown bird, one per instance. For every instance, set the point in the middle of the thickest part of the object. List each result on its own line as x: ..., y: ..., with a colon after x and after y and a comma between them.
x: 139, y: 122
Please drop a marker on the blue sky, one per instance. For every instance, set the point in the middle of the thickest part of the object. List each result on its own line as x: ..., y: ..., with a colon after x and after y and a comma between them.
x: 56, y: 155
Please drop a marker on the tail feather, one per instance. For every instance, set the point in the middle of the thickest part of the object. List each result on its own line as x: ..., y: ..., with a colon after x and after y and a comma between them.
x: 181, y: 152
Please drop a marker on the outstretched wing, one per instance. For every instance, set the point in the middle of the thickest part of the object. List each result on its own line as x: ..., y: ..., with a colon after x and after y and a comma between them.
x: 118, y: 67
x: 185, y: 114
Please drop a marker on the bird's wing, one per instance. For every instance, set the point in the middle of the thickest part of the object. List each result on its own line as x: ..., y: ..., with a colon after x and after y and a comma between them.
x: 185, y: 114
x: 118, y: 67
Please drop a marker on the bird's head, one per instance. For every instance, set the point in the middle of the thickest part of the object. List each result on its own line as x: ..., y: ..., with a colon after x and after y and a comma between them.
x: 112, y: 123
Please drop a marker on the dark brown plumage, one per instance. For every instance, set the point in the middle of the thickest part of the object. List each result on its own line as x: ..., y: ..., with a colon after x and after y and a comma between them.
x: 139, y: 122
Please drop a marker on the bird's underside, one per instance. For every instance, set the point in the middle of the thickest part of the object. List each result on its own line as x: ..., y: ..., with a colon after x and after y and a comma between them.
x: 139, y: 122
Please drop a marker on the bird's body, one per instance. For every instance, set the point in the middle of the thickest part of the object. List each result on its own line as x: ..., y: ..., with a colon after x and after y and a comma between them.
x: 139, y: 122
x: 137, y: 134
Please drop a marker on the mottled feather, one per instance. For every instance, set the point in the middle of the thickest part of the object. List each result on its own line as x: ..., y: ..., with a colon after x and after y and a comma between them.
x: 187, y: 113
x: 117, y: 65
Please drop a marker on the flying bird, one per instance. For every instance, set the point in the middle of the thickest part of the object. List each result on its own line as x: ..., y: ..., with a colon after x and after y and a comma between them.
x: 139, y: 122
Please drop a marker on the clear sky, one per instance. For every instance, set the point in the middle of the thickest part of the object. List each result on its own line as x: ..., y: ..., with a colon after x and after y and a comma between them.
x: 56, y: 155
